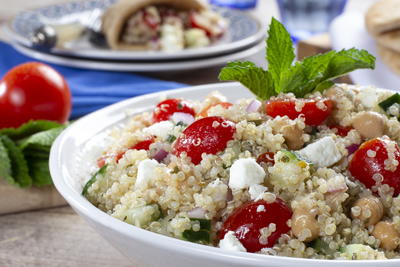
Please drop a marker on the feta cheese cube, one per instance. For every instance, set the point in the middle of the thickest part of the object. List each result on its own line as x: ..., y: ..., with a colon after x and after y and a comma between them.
x: 368, y: 97
x: 256, y: 191
x: 322, y: 153
x: 161, y: 129
x: 230, y: 242
x: 146, y: 171
x: 244, y: 173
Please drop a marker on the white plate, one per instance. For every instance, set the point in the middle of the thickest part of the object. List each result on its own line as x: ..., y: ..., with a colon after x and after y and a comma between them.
x: 140, y: 66
x: 242, y: 32
x: 80, y: 144
x: 347, y: 31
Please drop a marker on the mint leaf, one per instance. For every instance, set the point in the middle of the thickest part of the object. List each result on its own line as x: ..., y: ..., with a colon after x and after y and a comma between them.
x: 280, y: 52
x: 346, y: 61
x: 259, y: 81
x: 5, y: 165
x: 314, y: 73
x: 19, y: 166
x: 39, y: 171
x: 41, y: 141
x: 29, y: 128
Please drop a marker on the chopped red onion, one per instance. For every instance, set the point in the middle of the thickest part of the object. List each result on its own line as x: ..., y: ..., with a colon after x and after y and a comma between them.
x: 186, y: 118
x: 337, y: 189
x: 253, y: 106
x: 352, y: 148
x: 198, y: 213
x: 160, y: 155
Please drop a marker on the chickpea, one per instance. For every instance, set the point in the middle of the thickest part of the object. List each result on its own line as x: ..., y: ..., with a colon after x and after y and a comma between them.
x: 293, y: 136
x: 387, y: 234
x: 304, y: 225
x: 369, y: 124
x: 371, y: 210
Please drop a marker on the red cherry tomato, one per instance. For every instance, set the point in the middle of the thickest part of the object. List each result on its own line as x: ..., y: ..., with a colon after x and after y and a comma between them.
x: 195, y: 22
x: 208, y: 135
x: 142, y: 145
x: 33, y: 91
x: 246, y: 222
x: 267, y: 157
x: 204, y: 112
x: 152, y: 21
x: 145, y: 145
x: 165, y: 109
x: 368, y: 162
x: 341, y: 130
x: 313, y: 115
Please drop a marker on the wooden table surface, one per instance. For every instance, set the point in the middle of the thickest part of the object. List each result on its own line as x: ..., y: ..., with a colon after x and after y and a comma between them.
x: 58, y: 236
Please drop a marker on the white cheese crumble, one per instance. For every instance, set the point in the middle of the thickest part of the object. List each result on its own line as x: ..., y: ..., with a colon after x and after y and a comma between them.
x: 161, y: 129
x: 230, y: 242
x: 260, y: 208
x: 244, y: 173
x: 256, y: 191
x: 368, y: 97
x: 146, y: 171
x: 172, y: 37
x: 323, y: 153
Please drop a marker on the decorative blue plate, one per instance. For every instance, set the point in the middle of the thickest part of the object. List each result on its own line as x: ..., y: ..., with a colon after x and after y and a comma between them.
x: 243, y: 31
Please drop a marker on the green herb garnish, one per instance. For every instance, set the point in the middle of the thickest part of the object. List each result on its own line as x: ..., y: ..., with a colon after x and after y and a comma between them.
x: 24, y: 152
x: 19, y: 167
x: 314, y: 73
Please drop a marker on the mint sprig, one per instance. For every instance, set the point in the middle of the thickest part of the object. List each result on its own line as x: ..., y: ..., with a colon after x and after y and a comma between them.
x: 312, y: 74
x: 24, y: 153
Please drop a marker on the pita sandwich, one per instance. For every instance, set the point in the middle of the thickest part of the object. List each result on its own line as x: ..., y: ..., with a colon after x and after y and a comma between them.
x: 390, y: 57
x: 390, y: 40
x: 117, y: 15
x: 383, y: 16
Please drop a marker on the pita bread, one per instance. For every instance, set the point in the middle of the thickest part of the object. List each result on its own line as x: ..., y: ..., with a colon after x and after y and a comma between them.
x: 390, y: 40
x: 390, y: 58
x: 383, y: 16
x: 116, y: 16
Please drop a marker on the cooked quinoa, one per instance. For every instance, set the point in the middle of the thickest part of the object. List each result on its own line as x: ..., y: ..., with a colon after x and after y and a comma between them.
x: 333, y: 215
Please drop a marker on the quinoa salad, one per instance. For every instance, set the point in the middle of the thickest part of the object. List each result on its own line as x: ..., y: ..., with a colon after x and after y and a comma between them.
x: 306, y: 169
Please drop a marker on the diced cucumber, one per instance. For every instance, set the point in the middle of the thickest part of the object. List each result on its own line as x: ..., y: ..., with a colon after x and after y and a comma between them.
x: 101, y: 171
x: 201, y: 236
x: 142, y: 216
x: 322, y: 247
x: 387, y: 103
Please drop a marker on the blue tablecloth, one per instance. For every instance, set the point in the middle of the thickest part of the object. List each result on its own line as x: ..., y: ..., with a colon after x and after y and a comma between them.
x: 91, y: 89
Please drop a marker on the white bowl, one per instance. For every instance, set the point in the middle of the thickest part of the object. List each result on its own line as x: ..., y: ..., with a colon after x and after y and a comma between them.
x: 143, y: 247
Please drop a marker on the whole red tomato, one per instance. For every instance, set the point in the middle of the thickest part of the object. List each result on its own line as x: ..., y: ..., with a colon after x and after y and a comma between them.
x: 368, y: 163
x: 33, y: 91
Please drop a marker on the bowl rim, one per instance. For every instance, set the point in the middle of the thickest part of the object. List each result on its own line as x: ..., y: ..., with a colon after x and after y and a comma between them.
x: 81, y: 204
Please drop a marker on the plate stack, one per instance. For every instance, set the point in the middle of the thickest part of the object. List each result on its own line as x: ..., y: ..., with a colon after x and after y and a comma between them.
x: 243, y: 38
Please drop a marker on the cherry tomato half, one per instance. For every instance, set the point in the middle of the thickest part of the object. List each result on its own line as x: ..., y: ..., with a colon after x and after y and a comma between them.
x: 208, y: 135
x: 165, y: 109
x: 247, y: 220
x: 267, y: 157
x: 368, y: 163
x: 341, y: 130
x: 145, y: 145
x: 313, y: 115
x: 33, y: 91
